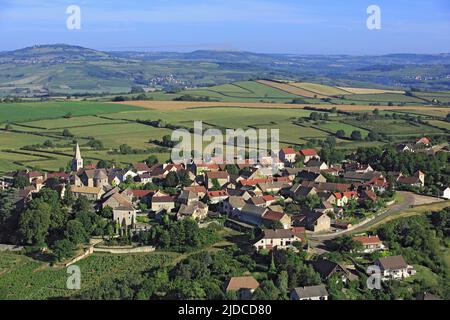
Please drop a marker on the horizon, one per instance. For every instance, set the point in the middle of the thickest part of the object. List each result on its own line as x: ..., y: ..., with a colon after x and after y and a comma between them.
x: 224, y: 50
x: 284, y: 27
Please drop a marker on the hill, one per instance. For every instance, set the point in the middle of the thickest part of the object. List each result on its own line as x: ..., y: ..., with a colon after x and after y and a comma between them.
x: 62, y: 70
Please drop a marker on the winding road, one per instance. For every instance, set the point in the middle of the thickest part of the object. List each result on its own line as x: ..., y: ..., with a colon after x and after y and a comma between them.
x: 317, y: 241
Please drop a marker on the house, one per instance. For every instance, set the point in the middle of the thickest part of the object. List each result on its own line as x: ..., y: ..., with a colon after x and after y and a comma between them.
x: 162, y: 202
x: 309, y: 154
x: 188, y: 197
x: 233, y: 205
x: 299, y: 191
x: 140, y: 168
x: 340, y: 199
x: 219, y: 177
x: 362, y: 177
x: 125, y: 216
x: 271, y: 216
x: 277, y: 239
x: 288, y: 155
x: 370, y: 243
x: 310, y: 293
x: 417, y: 180
x: 317, y: 164
x: 446, y: 193
x: 200, y: 190
x: 217, y: 196
x: 327, y: 186
x: 317, y: 221
x: 311, y: 176
x: 139, y: 196
x: 367, y: 195
x: 243, y: 286
x: 115, y: 200
x: 252, y: 214
x: 394, y: 267
x: 274, y: 186
x: 92, y: 193
x: 405, y: 147
x: 196, y: 210
x: 327, y: 268
x: 423, y: 142
x: 357, y: 167
x: 257, y: 201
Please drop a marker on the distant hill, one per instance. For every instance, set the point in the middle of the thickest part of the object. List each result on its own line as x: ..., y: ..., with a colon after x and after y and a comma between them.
x: 63, y: 69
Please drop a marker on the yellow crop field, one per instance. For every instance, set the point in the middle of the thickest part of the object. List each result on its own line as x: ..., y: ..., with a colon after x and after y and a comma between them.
x: 291, y: 89
x: 320, y: 88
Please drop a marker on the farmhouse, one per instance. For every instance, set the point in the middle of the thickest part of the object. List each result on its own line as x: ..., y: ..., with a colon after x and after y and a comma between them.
x: 369, y: 243
x: 219, y: 177
x: 309, y: 154
x: 394, y: 267
x: 277, y: 239
x: 288, y: 155
x: 92, y: 193
x: 243, y: 286
x: 163, y: 202
x: 196, y: 210
x: 310, y: 293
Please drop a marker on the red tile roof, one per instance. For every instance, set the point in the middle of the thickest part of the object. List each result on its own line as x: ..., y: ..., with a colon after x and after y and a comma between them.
x: 289, y: 151
x: 218, y: 193
x: 308, y: 152
x: 268, y: 198
x: 217, y: 175
x: 237, y: 283
x: 273, y: 215
x: 367, y: 239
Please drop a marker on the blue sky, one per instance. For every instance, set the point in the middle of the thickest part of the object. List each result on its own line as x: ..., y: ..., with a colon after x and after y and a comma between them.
x: 268, y: 26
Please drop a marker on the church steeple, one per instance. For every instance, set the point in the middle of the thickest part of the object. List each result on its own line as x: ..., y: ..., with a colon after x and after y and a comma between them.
x: 77, y: 161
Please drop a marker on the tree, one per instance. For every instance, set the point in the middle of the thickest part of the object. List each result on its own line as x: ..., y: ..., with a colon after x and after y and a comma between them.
x: 267, y: 291
x: 63, y: 249
x: 171, y: 180
x: 283, y: 283
x: 35, y: 223
x: 373, y: 136
x: 376, y: 112
x: 67, y: 133
x: 151, y: 160
x: 345, y: 244
x: 232, y: 169
x: 107, y: 212
x: 340, y: 133
x: 75, y: 232
x: 356, y: 135
x: 183, y: 178
x: 20, y: 182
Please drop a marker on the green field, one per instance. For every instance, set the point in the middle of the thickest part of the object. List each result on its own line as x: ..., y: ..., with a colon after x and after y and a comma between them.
x: 22, y: 278
x: 48, y: 110
x: 115, y: 124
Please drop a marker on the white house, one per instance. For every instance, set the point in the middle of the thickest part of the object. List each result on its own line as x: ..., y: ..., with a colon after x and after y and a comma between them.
x: 446, y: 193
x: 394, y: 267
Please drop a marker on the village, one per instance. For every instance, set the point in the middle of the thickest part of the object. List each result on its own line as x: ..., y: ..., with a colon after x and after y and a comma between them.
x: 305, y: 198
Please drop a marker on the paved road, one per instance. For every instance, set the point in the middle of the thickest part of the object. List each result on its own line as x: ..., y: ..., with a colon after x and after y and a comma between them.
x: 317, y: 242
